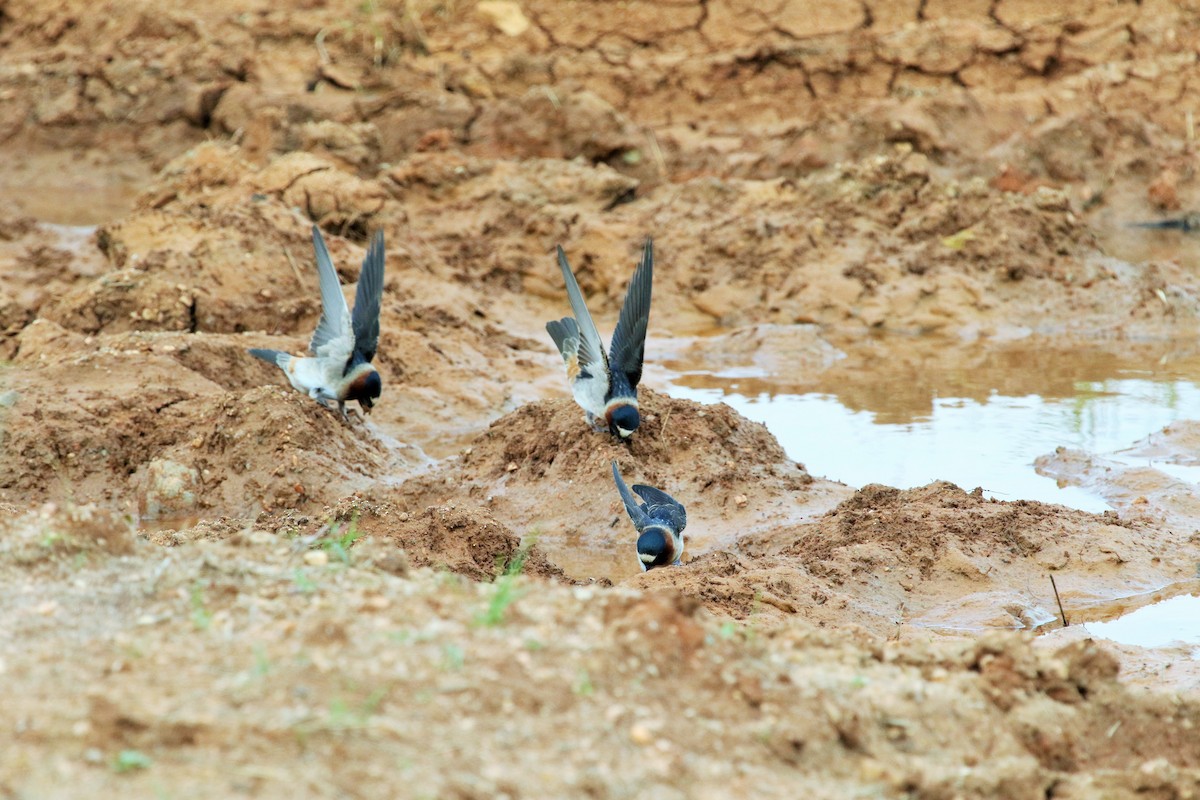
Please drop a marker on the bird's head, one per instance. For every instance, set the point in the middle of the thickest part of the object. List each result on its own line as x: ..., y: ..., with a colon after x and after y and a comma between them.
x: 656, y: 547
x: 623, y: 420
x: 366, y: 390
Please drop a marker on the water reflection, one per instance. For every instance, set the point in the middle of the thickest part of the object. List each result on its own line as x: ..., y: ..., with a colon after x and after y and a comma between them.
x: 906, y: 412
x: 1169, y: 622
x: 1120, y: 237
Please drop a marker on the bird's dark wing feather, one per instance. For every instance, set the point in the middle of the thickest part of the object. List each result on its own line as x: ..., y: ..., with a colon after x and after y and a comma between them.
x: 631, y: 505
x: 661, y: 507
x: 591, y: 347
x: 629, y: 339
x: 367, y: 300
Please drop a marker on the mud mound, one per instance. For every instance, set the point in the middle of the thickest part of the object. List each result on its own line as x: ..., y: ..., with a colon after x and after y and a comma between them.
x: 465, y: 541
x: 882, y: 243
x: 137, y: 430
x: 886, y: 242
x: 248, y: 247
x: 218, y: 248
x: 932, y: 557
x: 941, y: 255
x: 762, y: 587
x: 37, y: 264
x: 541, y: 469
x: 679, y: 441
x: 707, y: 449
x: 221, y: 282
x: 497, y: 221
x: 919, y: 524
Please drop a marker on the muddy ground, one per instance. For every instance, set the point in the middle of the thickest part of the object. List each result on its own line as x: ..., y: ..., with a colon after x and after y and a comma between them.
x: 215, y: 587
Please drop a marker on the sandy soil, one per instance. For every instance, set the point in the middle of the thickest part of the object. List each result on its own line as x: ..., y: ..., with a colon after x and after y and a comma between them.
x: 214, y: 586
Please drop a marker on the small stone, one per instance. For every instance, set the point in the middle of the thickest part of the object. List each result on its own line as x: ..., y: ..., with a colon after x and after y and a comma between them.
x: 640, y: 734
x: 506, y: 15
x: 316, y: 558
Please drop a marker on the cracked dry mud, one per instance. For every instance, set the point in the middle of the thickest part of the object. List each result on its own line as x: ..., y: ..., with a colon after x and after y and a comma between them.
x: 212, y: 587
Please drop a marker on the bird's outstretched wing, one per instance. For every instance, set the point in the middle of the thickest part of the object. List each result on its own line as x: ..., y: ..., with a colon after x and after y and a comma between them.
x: 334, y: 337
x: 367, y: 300
x: 591, y: 349
x: 629, y: 339
x: 635, y: 512
x: 662, y: 507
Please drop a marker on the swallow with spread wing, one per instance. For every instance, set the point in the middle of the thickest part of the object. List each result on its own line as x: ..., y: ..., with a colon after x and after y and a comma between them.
x: 343, y: 345
x: 606, y: 385
x: 659, y: 521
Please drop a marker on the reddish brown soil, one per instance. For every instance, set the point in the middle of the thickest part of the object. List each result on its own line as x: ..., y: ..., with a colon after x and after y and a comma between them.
x: 215, y: 587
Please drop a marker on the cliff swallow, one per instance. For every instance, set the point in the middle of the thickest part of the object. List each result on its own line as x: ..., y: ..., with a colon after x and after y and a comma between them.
x: 659, y: 521
x: 1187, y: 224
x: 343, y: 346
x: 606, y: 386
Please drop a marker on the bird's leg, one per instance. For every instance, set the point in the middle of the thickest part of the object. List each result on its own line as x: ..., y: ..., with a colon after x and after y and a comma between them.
x: 342, y: 411
x: 595, y: 423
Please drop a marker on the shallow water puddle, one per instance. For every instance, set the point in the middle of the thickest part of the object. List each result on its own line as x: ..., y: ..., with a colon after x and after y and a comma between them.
x: 972, y: 418
x: 1173, y: 621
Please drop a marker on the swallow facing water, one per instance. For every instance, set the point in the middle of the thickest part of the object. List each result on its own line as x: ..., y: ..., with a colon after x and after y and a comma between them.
x: 606, y: 386
x: 343, y: 346
x: 659, y: 521
x: 1187, y: 224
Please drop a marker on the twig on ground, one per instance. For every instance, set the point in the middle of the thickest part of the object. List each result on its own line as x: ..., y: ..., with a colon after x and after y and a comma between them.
x: 1058, y: 599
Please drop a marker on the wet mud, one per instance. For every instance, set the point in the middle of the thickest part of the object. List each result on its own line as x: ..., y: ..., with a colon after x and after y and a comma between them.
x: 213, y: 584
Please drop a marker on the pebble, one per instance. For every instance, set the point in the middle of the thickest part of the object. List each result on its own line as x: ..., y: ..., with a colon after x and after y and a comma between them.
x: 640, y: 733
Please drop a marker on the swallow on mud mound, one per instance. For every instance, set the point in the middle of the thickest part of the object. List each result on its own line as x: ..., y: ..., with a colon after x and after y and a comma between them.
x: 659, y: 521
x: 343, y: 345
x: 605, y: 386
x: 1187, y: 224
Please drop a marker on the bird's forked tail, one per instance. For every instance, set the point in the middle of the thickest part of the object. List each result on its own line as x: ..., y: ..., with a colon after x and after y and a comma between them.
x: 276, y: 357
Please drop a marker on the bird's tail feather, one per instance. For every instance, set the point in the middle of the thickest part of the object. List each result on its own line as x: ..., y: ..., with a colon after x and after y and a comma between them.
x: 563, y: 330
x: 276, y: 357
